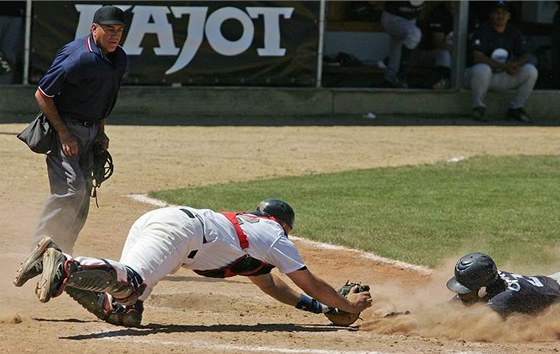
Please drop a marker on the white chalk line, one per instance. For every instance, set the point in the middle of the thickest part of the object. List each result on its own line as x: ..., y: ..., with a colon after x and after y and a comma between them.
x: 371, y: 256
x: 367, y: 255
x: 240, y: 348
x: 256, y: 349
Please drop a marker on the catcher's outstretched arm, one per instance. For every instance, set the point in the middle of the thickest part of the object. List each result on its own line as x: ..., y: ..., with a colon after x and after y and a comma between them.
x: 320, y: 290
x: 276, y: 288
x: 279, y: 290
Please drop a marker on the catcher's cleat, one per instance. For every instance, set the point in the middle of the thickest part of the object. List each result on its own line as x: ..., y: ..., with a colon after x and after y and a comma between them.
x: 53, y: 277
x: 33, y: 264
x: 128, y: 316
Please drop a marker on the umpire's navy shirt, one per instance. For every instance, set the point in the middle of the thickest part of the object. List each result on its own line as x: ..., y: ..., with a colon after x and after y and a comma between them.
x: 83, y: 81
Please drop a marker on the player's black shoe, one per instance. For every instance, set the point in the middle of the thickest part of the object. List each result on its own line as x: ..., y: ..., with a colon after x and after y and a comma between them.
x: 479, y: 114
x: 442, y: 84
x: 518, y: 114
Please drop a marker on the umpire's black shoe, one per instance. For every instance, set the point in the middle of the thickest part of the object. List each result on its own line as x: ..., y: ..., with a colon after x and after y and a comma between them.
x: 396, y: 84
x: 518, y: 114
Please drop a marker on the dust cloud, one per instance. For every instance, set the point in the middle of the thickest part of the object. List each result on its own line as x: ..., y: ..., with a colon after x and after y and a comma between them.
x: 428, y: 311
x: 11, y: 295
x: 8, y: 312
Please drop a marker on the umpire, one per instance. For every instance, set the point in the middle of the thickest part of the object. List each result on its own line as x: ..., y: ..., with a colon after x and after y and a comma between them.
x: 77, y: 94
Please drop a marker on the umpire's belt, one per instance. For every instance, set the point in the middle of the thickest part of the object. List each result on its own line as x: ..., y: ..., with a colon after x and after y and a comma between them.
x: 84, y: 122
x: 87, y: 123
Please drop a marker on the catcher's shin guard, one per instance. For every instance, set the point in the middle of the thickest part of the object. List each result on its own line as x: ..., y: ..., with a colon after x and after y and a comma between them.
x: 100, y: 275
x: 115, y: 313
x: 90, y: 300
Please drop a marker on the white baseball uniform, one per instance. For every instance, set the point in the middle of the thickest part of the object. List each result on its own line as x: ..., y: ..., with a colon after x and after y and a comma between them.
x: 163, y: 240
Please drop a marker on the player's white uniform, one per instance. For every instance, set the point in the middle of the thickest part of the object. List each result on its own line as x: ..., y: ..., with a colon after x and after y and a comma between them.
x: 162, y: 240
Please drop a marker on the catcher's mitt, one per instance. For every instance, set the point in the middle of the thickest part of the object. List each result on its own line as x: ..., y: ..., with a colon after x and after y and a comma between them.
x: 102, y: 168
x: 343, y: 318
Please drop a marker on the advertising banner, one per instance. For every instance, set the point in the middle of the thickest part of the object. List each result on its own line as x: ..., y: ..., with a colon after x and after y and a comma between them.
x: 194, y: 43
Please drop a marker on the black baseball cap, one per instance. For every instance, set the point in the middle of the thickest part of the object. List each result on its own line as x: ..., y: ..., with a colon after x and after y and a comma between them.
x: 109, y: 15
x: 501, y: 5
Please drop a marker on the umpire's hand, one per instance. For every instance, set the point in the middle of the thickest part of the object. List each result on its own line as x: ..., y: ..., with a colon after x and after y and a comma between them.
x: 70, y: 145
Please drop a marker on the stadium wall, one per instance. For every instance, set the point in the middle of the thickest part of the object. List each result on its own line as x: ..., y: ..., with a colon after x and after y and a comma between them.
x: 145, y: 104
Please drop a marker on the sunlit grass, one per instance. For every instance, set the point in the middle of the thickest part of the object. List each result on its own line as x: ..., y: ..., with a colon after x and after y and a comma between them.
x: 505, y: 206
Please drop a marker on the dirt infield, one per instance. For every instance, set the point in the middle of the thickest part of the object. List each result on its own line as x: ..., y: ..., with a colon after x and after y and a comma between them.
x: 187, y: 313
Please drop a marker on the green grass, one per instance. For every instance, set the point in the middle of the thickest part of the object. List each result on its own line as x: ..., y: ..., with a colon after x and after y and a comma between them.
x: 505, y: 206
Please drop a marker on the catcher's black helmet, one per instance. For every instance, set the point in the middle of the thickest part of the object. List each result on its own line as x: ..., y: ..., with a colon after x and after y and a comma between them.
x: 472, y: 272
x: 279, y: 209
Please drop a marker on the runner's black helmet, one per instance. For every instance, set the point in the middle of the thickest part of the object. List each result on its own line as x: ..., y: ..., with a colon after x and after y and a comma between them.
x: 472, y: 272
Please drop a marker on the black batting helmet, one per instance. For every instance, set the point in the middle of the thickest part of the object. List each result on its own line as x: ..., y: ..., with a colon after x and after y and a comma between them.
x: 472, y: 272
x: 279, y: 209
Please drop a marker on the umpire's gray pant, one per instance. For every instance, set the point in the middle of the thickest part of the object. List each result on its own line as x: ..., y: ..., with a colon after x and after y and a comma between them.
x: 66, y: 208
x: 480, y: 78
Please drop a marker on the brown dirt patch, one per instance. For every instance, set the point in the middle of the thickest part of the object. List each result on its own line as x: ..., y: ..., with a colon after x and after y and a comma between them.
x: 188, y: 313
